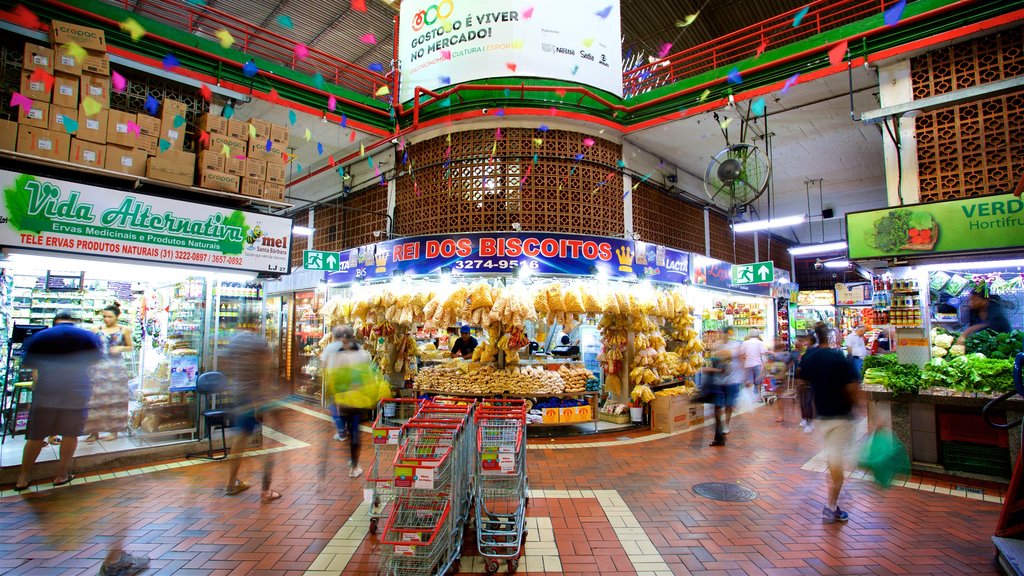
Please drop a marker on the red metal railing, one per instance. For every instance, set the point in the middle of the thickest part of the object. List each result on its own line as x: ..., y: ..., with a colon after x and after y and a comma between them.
x: 204, y: 22
x: 821, y: 16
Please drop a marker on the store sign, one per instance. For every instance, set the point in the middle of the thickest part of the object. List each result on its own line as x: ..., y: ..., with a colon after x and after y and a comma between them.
x: 854, y: 294
x: 816, y: 298
x: 498, y: 253
x: 317, y: 260
x: 48, y: 214
x: 986, y: 223
x: 756, y: 273
x: 447, y: 42
x: 717, y: 274
x: 662, y: 264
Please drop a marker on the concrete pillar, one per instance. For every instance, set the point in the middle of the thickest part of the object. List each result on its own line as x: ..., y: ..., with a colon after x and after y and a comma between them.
x: 895, y: 87
x: 627, y: 205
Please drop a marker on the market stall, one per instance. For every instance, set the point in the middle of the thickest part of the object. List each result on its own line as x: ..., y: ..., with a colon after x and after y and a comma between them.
x: 722, y: 305
x: 810, y: 308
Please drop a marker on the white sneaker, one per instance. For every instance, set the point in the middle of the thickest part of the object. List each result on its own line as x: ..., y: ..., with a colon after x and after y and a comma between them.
x: 809, y: 428
x: 340, y: 438
x: 803, y: 423
x: 355, y: 472
x: 725, y: 429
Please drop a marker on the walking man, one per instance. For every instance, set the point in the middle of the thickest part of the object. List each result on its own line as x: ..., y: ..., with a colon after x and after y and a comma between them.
x: 835, y: 386
x: 856, y: 347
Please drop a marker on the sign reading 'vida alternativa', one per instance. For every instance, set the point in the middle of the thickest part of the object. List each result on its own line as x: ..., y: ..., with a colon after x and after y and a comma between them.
x: 48, y: 214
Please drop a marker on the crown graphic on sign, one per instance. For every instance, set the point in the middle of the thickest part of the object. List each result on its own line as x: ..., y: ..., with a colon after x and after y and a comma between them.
x: 381, y: 258
x: 625, y: 255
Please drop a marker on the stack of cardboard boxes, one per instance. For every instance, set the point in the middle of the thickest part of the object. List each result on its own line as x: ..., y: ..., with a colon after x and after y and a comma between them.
x: 247, y: 166
x: 171, y: 163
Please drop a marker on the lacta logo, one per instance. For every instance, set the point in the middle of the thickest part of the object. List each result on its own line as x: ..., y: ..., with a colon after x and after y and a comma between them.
x: 675, y: 265
x: 431, y: 15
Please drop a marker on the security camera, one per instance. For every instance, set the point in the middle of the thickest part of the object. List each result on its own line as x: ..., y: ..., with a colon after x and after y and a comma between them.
x: 485, y: 111
x: 819, y: 265
x: 517, y: 226
x: 376, y: 233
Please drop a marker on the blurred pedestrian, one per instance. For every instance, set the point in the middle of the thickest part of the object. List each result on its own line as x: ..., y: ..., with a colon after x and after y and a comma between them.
x: 61, y: 357
x: 247, y: 367
x: 804, y: 343
x: 108, y: 406
x: 856, y: 348
x: 331, y: 344
x: 835, y: 386
x: 726, y: 371
x: 778, y: 371
x: 752, y: 353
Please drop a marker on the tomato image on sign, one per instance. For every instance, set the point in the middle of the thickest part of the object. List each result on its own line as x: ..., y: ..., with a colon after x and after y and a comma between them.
x: 903, y: 230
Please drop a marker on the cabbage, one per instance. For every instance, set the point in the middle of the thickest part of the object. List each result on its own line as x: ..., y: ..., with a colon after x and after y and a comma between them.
x: 938, y: 351
x: 957, y: 350
x: 943, y: 340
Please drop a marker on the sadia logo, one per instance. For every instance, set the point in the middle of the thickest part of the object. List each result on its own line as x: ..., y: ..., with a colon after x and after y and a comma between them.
x: 431, y: 15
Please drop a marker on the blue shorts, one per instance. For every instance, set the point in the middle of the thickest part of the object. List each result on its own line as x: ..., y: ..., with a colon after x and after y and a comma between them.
x: 245, y: 421
x: 725, y: 396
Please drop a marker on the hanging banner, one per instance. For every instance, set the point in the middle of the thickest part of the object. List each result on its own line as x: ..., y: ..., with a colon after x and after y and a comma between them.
x: 496, y: 253
x: 717, y: 274
x: 662, y: 264
x: 446, y: 42
x: 48, y: 214
x: 985, y: 223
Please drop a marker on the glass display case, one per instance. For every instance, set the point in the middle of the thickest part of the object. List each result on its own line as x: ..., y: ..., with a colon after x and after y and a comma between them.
x: 307, y: 330
x: 234, y: 306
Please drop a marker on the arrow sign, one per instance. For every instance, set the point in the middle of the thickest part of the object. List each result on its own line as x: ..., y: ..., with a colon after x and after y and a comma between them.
x: 317, y: 260
x: 332, y: 262
x: 756, y: 273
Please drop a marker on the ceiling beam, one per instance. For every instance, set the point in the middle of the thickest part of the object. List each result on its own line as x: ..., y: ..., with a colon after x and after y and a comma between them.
x: 962, y: 96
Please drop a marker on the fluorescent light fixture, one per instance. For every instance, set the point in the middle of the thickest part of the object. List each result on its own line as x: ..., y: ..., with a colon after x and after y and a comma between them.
x: 817, y: 248
x: 302, y: 231
x: 837, y: 264
x: 771, y: 223
x: 983, y: 265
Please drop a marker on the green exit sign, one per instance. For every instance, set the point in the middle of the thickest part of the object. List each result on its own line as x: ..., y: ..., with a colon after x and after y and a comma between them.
x: 317, y: 260
x: 756, y: 273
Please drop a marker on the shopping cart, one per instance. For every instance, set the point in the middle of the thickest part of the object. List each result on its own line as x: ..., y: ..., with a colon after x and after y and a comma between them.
x: 501, y: 483
x: 392, y: 414
x: 416, y: 540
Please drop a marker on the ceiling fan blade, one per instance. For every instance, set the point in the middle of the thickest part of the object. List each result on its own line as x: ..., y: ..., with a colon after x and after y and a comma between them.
x: 718, y: 190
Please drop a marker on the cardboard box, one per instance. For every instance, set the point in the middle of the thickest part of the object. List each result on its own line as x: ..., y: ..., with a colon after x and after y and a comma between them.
x: 88, y: 153
x: 238, y: 129
x: 66, y: 63
x: 262, y: 128
x: 218, y: 181
x: 98, y: 64
x: 258, y: 150
x: 279, y: 134
x: 38, y: 115
x: 118, y: 131
x: 8, y: 135
x: 251, y: 187
x: 92, y: 128
x: 256, y: 169
x: 669, y: 413
x: 235, y: 165
x: 172, y: 166
x: 213, y: 124
x: 37, y: 57
x: 149, y: 126
x: 65, y: 90
x: 208, y: 160
x: 277, y: 173
x: 550, y: 415
x: 57, y: 113
x: 584, y: 413
x: 273, y: 192
x: 236, y: 146
x: 148, y: 144
x: 695, y: 414
x: 97, y: 88
x: 172, y: 108
x: 567, y: 415
x: 34, y: 89
x: 88, y: 38
x: 43, y: 143
x: 173, y: 134
x: 126, y: 160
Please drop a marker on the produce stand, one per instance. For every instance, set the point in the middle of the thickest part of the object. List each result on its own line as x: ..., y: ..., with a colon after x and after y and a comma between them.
x: 591, y: 397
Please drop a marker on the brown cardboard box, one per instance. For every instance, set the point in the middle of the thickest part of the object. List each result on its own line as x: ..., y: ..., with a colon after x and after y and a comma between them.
x: 88, y: 153
x: 213, y: 124
x: 65, y: 90
x: 259, y: 151
x: 38, y: 115
x: 8, y: 135
x: 669, y: 413
x: 92, y: 128
x: 43, y: 143
x: 251, y: 187
x: 279, y: 134
x: 148, y: 144
x: 174, y: 135
x: 37, y: 57
x: 256, y: 169
x: 277, y: 173
x: 149, y: 126
x: 173, y: 166
x: 262, y: 130
x: 210, y: 161
x: 56, y: 121
x: 88, y: 38
x: 98, y: 64
x: 235, y: 165
x: 238, y: 129
x: 126, y: 160
x: 34, y: 89
x: 273, y: 192
x: 172, y: 108
x: 118, y: 130
x: 237, y: 147
x: 66, y: 63
x: 218, y: 181
x: 97, y: 88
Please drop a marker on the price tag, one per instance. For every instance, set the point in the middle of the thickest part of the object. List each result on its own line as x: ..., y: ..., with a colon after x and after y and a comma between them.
x: 507, y: 462
x: 40, y: 60
x: 393, y: 436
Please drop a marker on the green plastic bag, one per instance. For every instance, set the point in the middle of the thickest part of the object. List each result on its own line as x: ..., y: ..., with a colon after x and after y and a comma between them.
x: 885, y: 457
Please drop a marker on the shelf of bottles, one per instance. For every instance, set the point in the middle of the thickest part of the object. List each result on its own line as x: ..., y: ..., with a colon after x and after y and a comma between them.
x: 307, y: 332
x: 236, y: 306
x: 905, y: 309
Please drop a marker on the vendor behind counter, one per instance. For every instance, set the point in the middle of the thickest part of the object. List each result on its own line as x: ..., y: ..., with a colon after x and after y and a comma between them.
x: 464, y: 346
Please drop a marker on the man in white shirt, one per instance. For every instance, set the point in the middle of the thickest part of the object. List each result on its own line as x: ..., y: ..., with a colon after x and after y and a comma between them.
x: 856, y: 347
x: 752, y: 352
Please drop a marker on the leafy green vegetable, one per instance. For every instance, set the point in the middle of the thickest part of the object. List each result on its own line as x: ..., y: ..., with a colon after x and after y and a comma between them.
x: 1000, y: 346
x: 904, y: 379
x: 993, y: 375
x: 879, y: 361
x: 890, y: 231
x: 921, y: 221
x: 957, y: 374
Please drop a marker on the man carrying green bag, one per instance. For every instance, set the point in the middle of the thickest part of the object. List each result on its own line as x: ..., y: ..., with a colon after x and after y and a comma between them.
x: 885, y: 457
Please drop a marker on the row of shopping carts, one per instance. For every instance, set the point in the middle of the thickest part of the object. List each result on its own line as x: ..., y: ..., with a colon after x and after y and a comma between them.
x: 432, y: 459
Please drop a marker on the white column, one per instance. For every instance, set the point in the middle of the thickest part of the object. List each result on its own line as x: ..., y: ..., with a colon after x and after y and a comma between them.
x: 392, y: 200
x: 895, y: 87
x: 312, y: 227
x: 627, y: 205
x: 707, y: 233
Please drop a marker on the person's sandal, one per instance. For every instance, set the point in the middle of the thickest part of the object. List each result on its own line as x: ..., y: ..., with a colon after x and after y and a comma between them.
x: 269, y: 496
x: 236, y: 488
x: 55, y: 440
x: 67, y: 480
x: 92, y: 438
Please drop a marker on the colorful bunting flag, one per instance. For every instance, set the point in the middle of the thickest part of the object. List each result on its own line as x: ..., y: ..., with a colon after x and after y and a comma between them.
x: 837, y: 53
x: 511, y: 66
x: 151, y: 105
x: 527, y: 14
x: 228, y: 112
x: 800, y: 16
x: 376, y: 67
x: 757, y: 108
x: 178, y: 120
x: 301, y: 51
x: 91, y: 106
x: 307, y: 135
x: 165, y: 145
x: 332, y: 103
x: 445, y: 80
x: 604, y: 12
x: 359, y: 5
x: 285, y: 21
x: 134, y: 128
x: 319, y: 149
x: 789, y: 83
x: 690, y: 18
x: 206, y: 92
x: 204, y: 139
x: 588, y: 142
x: 250, y: 69
x: 382, y: 91
x: 368, y: 38
x: 70, y: 124
x: 292, y: 118
x: 75, y: 51
x: 318, y: 81
x: 133, y: 28
x: 225, y: 37
x: 270, y: 145
x: 734, y: 76
x: 170, y: 62
x: 894, y: 13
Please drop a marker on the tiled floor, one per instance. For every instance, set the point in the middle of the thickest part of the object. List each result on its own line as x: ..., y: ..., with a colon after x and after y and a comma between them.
x: 602, y: 506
